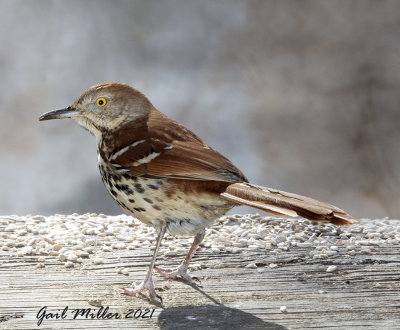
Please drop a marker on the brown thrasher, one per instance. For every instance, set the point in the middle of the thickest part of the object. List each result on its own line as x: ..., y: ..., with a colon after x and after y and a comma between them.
x: 164, y: 175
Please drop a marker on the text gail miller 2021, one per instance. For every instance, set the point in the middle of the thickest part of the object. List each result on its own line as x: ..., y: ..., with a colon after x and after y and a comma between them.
x: 102, y: 313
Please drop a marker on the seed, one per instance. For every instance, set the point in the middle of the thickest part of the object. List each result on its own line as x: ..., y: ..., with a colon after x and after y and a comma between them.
x: 251, y: 265
x: 98, y: 261
x: 331, y: 269
x: 69, y: 264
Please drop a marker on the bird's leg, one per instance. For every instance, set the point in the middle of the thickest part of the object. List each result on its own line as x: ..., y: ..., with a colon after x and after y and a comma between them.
x: 147, y: 283
x: 182, y: 268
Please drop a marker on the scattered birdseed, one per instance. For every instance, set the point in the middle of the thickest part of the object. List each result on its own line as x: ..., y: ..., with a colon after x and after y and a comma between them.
x: 72, y: 239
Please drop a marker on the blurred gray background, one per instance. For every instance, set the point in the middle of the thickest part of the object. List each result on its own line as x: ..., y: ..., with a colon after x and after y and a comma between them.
x: 302, y: 96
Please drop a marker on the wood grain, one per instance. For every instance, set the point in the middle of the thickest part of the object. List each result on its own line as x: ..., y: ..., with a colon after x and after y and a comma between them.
x: 363, y: 292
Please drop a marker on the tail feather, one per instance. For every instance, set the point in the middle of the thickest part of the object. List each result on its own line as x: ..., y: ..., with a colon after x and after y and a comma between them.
x: 282, y: 203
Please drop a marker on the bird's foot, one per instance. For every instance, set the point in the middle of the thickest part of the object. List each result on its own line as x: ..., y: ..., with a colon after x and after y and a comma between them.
x: 147, y: 284
x: 179, y: 271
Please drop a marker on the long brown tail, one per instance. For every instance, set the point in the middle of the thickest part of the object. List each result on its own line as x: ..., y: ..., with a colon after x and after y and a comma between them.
x: 282, y: 203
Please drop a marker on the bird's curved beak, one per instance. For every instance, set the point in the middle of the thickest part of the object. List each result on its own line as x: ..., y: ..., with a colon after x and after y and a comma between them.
x: 59, y: 114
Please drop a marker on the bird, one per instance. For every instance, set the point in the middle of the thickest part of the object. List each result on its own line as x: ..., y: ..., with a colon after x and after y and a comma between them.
x: 164, y: 175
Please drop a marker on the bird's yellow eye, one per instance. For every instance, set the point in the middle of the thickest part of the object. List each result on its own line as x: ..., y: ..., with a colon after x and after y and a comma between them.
x: 101, y: 102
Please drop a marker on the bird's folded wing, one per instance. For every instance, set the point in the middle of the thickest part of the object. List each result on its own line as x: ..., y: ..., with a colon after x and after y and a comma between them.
x: 160, y: 147
x: 179, y: 160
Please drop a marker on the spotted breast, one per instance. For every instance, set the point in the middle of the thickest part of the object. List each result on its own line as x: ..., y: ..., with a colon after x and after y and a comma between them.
x: 161, y: 200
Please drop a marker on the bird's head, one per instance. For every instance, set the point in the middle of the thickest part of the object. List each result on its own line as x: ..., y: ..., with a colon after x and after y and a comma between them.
x: 104, y: 107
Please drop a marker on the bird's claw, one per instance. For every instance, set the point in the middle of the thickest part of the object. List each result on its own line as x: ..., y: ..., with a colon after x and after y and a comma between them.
x: 147, y: 285
x: 179, y: 271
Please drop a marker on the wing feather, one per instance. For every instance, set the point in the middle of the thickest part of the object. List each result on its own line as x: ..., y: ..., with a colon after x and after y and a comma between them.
x: 160, y: 147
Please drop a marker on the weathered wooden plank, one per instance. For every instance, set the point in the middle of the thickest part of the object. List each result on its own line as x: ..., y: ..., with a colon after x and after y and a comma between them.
x: 364, y: 291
